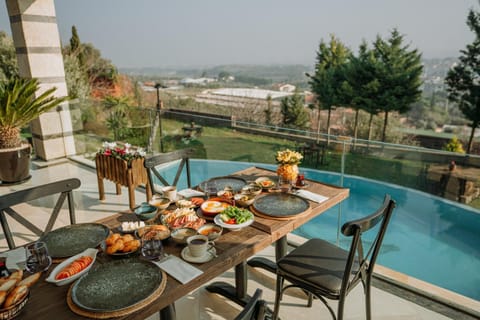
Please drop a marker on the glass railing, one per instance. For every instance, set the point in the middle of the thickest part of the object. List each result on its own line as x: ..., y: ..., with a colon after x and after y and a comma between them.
x: 228, y: 138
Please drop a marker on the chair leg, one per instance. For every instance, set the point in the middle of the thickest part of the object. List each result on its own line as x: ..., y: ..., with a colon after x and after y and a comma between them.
x: 278, y: 297
x: 341, y: 304
x: 368, y: 305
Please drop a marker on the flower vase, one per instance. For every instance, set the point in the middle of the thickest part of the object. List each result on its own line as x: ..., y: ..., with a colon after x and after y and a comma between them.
x: 288, y: 172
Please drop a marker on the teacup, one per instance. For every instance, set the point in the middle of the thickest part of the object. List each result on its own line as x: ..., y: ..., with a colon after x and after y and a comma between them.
x: 170, y: 192
x: 198, y: 245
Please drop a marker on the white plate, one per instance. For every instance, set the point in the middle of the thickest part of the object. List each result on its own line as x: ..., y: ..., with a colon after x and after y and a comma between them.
x: 209, y: 255
x: 213, y: 207
x: 88, y: 252
x: 233, y: 227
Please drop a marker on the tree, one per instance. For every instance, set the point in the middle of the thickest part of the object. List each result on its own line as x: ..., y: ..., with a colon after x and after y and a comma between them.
x: 8, y: 58
x: 463, y: 81
x: 399, y: 76
x: 293, y: 112
x: 361, y: 85
x: 76, y: 48
x: 328, y: 77
x: 117, y: 120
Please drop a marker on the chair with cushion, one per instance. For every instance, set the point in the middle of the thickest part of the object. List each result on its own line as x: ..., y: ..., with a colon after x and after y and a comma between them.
x: 325, y: 270
x: 255, y: 309
x: 64, y: 188
x: 152, y: 162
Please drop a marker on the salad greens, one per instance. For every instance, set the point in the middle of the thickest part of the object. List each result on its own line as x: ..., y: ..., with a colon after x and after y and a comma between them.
x: 235, y: 215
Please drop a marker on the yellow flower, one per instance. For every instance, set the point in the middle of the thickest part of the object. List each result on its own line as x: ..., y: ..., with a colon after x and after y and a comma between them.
x: 288, y: 157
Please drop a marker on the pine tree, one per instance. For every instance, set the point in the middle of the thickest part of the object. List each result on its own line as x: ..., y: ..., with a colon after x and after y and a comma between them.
x: 462, y: 81
x: 400, y: 71
x: 293, y: 112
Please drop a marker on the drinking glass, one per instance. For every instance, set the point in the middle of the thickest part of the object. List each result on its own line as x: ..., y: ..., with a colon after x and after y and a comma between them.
x: 38, y: 258
x: 284, y: 184
x: 152, y: 247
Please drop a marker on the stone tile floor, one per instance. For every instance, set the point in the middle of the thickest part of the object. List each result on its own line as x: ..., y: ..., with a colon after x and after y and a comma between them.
x: 200, y: 304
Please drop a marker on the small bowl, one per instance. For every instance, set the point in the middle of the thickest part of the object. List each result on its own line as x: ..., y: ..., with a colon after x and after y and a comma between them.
x: 145, y: 211
x: 244, y: 199
x: 265, y: 182
x: 160, y: 202
x: 211, y: 230
x: 180, y: 235
x: 252, y: 189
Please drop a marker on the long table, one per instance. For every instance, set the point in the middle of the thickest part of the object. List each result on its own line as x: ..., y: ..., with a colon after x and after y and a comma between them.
x: 233, y: 250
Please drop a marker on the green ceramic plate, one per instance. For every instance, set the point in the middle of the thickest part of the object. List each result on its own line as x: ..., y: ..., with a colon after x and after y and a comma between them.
x: 73, y: 239
x: 116, y: 285
x: 280, y: 205
x: 219, y: 183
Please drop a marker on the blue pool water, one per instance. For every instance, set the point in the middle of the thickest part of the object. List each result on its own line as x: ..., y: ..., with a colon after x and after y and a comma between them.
x: 429, y: 238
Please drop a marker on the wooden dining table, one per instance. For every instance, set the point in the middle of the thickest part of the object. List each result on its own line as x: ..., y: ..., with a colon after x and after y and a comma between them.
x: 233, y: 249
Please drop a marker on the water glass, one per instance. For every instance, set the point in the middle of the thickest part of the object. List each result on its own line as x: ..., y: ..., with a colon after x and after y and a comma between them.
x: 38, y: 258
x: 284, y: 184
x: 152, y: 247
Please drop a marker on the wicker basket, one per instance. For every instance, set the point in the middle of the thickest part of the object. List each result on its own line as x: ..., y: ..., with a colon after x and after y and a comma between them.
x: 13, y: 311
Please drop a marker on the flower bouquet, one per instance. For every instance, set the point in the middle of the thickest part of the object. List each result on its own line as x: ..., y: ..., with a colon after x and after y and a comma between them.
x: 288, y: 162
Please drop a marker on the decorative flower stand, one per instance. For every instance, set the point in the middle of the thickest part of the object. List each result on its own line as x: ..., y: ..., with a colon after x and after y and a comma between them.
x: 119, y: 172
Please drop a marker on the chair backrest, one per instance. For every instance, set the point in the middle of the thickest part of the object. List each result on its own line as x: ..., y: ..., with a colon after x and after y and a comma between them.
x: 360, y: 262
x: 63, y: 188
x: 152, y: 162
x: 255, y: 308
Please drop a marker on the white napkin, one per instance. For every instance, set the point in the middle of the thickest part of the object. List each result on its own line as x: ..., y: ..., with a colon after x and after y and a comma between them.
x: 179, y: 269
x: 188, y: 193
x: 15, y: 258
x: 311, y: 196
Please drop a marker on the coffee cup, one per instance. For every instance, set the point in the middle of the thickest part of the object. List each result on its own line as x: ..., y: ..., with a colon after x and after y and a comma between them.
x: 198, y: 245
x: 170, y: 192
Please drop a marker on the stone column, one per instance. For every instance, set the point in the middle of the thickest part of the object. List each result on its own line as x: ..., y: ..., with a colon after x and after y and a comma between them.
x: 39, y: 55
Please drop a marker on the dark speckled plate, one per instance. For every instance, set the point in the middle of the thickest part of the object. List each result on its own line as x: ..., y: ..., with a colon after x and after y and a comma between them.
x: 219, y: 183
x: 116, y: 285
x: 70, y: 240
x: 280, y: 205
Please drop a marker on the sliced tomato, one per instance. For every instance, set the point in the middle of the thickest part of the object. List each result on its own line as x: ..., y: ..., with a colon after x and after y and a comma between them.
x: 231, y: 221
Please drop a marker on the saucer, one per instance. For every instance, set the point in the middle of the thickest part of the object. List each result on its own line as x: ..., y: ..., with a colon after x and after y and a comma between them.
x: 207, y: 257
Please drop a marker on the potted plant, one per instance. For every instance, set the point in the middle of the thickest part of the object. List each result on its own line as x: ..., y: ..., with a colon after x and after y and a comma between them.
x: 18, y: 106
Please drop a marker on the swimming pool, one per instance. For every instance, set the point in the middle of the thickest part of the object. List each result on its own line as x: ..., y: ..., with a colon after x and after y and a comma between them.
x: 429, y: 238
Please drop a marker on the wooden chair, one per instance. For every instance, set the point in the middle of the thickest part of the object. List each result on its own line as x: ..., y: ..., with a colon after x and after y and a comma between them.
x: 326, y: 271
x: 152, y: 162
x: 63, y: 187
x: 255, y: 309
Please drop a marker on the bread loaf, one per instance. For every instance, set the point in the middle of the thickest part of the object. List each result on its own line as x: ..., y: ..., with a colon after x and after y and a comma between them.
x: 30, y: 280
x: 3, y: 296
x: 8, y: 285
x: 16, y: 295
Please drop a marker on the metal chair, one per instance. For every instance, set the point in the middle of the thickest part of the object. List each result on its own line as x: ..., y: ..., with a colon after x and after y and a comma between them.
x: 152, y: 162
x: 7, y: 201
x: 325, y: 270
x: 255, y: 309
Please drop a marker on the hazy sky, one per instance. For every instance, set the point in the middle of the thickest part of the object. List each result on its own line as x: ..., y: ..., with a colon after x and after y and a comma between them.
x: 145, y: 33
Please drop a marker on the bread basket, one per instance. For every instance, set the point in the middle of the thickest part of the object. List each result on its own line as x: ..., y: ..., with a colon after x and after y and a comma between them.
x: 14, y: 310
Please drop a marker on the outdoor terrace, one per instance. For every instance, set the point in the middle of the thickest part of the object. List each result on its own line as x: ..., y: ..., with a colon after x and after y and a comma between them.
x: 389, y: 302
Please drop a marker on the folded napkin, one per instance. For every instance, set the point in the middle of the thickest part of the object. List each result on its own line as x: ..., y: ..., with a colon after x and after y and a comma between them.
x: 311, y: 196
x: 188, y: 193
x: 179, y: 269
x: 15, y: 258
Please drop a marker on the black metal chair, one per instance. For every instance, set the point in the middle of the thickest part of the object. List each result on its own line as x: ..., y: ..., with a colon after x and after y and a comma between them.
x: 325, y: 270
x: 152, y: 162
x: 7, y: 201
x: 255, y: 309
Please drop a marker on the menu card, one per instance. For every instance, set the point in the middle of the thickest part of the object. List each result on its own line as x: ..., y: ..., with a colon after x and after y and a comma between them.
x: 179, y: 269
x: 311, y: 196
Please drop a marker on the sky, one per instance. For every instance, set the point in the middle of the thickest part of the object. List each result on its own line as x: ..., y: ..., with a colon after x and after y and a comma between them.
x: 187, y: 33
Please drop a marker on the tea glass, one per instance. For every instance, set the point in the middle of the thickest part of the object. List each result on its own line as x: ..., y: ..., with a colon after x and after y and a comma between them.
x: 152, y: 247
x: 37, y: 256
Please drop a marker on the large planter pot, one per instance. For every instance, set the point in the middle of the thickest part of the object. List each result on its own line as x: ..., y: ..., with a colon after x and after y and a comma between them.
x: 15, y: 165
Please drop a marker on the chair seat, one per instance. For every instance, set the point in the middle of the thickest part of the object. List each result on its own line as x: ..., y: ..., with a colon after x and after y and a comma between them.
x: 317, y: 265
